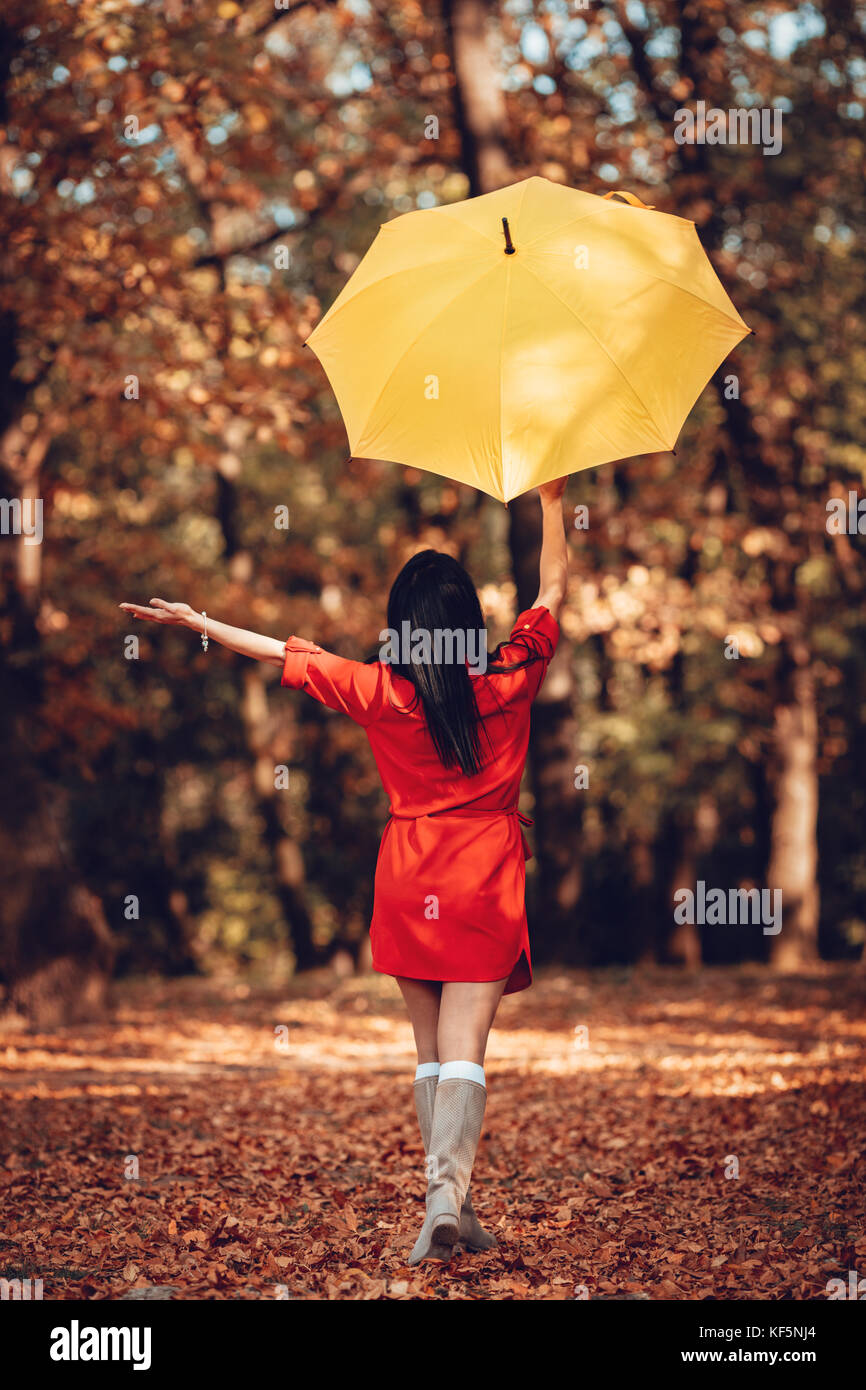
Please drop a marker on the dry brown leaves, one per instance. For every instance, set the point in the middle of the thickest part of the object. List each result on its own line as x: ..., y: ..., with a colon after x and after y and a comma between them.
x: 191, y: 1149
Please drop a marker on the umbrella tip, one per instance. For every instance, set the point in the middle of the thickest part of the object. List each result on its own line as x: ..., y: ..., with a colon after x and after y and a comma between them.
x: 510, y: 248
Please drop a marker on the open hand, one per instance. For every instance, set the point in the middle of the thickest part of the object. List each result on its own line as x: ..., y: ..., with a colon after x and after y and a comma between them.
x: 159, y: 611
x: 551, y: 492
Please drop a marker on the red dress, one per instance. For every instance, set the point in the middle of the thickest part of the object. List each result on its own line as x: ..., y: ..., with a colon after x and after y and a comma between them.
x: 451, y: 876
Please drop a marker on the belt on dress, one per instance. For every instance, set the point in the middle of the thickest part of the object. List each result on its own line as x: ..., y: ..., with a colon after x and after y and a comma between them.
x: 464, y: 811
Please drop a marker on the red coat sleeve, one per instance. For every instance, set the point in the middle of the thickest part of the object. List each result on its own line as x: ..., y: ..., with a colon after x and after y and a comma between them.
x: 350, y: 687
x: 535, y: 634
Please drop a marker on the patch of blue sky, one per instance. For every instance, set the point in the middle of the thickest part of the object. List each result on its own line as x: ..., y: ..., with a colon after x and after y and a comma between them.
x: 284, y: 214
x: 338, y: 83
x: 534, y: 44
x: 831, y: 73
x: 756, y: 39
x: 219, y: 132
x: 643, y: 166
x: 664, y: 43
x: 350, y: 77
x: 578, y: 56
x: 117, y: 63
x: 83, y: 192
x: 621, y: 101
x: 361, y: 77
x: 608, y: 172
x: 514, y: 79
x: 249, y: 272
x: 567, y: 35
x: 22, y: 181
x: 793, y: 27
x: 166, y: 159
x: 278, y: 45
x: 146, y: 135
x: 544, y: 84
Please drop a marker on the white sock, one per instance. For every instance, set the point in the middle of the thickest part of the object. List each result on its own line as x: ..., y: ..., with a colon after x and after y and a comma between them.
x: 462, y: 1071
x: 425, y: 1069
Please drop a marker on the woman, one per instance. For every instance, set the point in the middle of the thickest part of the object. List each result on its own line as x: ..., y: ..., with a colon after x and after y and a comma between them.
x: 449, y: 919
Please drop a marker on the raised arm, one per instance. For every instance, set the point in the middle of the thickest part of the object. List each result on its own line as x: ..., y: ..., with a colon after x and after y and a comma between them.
x: 553, y: 565
x: 237, y: 639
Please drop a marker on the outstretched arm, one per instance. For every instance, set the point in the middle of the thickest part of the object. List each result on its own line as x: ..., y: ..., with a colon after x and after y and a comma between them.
x: 553, y: 566
x: 237, y: 639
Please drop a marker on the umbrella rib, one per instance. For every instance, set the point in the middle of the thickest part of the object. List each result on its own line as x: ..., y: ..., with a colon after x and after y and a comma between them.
x: 571, y: 221
x: 600, y: 344
x: 373, y: 285
x: 446, y: 212
x: 662, y: 280
x: 597, y: 212
x: 502, y: 350
x: 501, y: 359
x: 419, y: 334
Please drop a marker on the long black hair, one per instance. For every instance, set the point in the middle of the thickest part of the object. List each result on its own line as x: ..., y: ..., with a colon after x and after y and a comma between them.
x: 433, y: 593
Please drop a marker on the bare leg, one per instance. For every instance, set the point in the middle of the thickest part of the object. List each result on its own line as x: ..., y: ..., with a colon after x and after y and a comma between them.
x: 421, y: 998
x: 466, y: 1015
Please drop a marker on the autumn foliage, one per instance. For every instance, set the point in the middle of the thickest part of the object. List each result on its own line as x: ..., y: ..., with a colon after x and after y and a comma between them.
x: 648, y: 1136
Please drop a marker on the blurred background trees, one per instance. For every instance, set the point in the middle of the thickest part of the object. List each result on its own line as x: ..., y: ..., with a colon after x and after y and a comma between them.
x: 186, y: 188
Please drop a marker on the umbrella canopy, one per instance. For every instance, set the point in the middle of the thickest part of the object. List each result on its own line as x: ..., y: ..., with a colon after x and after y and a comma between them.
x: 507, y: 354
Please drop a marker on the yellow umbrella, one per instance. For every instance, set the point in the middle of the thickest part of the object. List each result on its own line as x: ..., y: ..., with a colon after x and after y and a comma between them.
x: 529, y: 333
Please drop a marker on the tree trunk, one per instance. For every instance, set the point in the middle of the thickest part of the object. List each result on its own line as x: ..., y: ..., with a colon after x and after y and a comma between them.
x: 286, y: 856
x: 793, y: 865
x: 479, y: 108
x: 685, y: 835
x: 479, y: 104
x: 690, y: 835
x: 56, y: 951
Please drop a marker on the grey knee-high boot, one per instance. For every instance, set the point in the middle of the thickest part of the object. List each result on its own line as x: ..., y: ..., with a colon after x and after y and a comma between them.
x: 472, y: 1234
x: 458, y: 1113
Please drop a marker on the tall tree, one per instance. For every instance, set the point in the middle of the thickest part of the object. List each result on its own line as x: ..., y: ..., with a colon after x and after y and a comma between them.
x: 55, y: 947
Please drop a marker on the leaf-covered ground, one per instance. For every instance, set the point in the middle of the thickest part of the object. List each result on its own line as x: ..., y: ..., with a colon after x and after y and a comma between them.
x: 648, y: 1135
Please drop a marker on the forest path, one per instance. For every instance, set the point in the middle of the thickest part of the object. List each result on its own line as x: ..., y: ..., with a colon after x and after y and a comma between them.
x: 274, y: 1137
